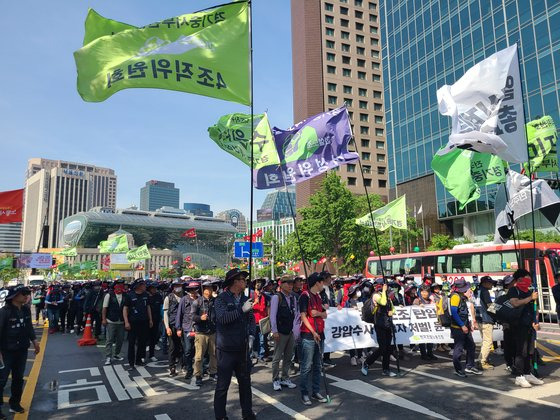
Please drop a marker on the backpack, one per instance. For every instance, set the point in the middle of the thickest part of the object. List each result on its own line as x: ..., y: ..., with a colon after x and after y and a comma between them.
x: 503, y: 311
x: 368, y: 311
x: 443, y: 311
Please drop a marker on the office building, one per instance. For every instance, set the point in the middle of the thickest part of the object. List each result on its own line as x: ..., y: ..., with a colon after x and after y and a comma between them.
x: 277, y: 205
x: 56, y: 189
x: 235, y: 218
x: 157, y: 194
x: 10, y: 237
x: 336, y: 51
x: 280, y: 228
x: 431, y: 43
x: 198, y: 209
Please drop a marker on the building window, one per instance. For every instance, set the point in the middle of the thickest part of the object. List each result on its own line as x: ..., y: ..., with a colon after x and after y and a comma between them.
x: 345, y: 48
x: 329, y: 19
x: 362, y: 75
x: 374, y: 42
x: 375, y: 78
x: 345, y: 60
x: 362, y: 92
x: 372, y: 6
x: 375, y: 66
x: 363, y: 104
x: 351, y: 181
x: 344, y: 23
x: 331, y: 69
x: 366, y: 169
x: 364, y: 130
x: 364, y: 117
x: 330, y: 44
x: 348, y: 101
x: 331, y: 87
x: 329, y: 7
x: 359, y: 26
x: 379, y: 132
x: 347, y: 72
x: 377, y: 107
x: 379, y: 145
x: 367, y: 182
x: 344, y: 35
x: 382, y: 183
x: 380, y: 157
x: 347, y: 89
x: 373, y: 30
x: 358, y: 3
x: 361, y: 63
x: 378, y: 119
x: 343, y: 10
x: 360, y: 39
x: 332, y: 100
x: 351, y: 168
x: 344, y: 1
x: 365, y: 143
x: 377, y: 94
x: 351, y: 115
x: 373, y: 18
x: 366, y: 155
x: 330, y: 56
x: 360, y: 50
x: 381, y: 170
x: 329, y: 31
x: 358, y: 14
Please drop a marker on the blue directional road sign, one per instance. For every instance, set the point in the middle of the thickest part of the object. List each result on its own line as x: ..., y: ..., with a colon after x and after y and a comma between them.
x: 242, y: 249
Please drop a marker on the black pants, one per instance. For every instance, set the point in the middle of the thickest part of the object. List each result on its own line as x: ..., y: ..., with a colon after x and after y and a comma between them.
x: 426, y: 349
x: 175, y: 348
x: 228, y: 363
x: 39, y: 311
x: 509, y: 345
x: 63, y: 316
x: 524, y: 348
x: 96, y: 323
x: 384, y: 338
x: 14, y: 363
x: 137, y: 338
x: 154, y: 336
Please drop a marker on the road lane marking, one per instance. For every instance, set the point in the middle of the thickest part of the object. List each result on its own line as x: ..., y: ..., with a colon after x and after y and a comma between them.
x: 547, y: 350
x: 146, y: 388
x: 538, y: 391
x: 143, y: 372
x: 162, y: 417
x: 163, y: 377
x: 129, y: 385
x: 31, y: 384
x: 118, y: 389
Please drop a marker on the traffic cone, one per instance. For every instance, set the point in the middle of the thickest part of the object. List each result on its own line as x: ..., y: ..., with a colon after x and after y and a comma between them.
x: 87, y: 339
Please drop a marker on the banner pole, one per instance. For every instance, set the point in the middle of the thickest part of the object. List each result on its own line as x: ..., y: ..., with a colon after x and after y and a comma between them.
x: 252, y: 142
x: 295, y: 228
x: 423, y: 230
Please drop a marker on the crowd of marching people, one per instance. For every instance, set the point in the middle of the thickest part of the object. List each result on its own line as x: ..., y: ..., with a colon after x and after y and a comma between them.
x: 217, y: 328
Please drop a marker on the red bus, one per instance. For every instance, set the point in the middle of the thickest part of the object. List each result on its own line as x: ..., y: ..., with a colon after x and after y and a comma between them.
x: 477, y: 259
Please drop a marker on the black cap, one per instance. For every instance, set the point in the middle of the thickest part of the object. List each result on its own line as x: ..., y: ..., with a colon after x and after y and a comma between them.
x: 16, y: 290
x: 313, y: 279
x: 488, y: 279
x: 233, y: 274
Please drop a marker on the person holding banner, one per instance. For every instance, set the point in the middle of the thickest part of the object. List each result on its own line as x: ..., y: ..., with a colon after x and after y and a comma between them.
x: 426, y: 350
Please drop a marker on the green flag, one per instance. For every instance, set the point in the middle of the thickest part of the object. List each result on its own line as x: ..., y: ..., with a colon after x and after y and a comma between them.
x: 138, y: 254
x: 393, y: 214
x: 115, y: 245
x: 6, y: 262
x: 63, y: 267
x: 88, y: 265
x: 541, y: 138
x: 233, y: 134
x: 67, y: 252
x: 205, y: 53
x: 486, y: 169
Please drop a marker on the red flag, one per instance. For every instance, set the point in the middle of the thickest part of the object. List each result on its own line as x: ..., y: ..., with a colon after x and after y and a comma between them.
x: 188, y: 258
x: 190, y: 233
x: 174, y: 262
x: 259, y: 233
x: 11, y: 206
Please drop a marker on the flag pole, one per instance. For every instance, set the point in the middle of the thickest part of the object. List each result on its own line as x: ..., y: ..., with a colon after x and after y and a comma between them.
x: 295, y: 227
x: 423, y: 228
x: 252, y: 141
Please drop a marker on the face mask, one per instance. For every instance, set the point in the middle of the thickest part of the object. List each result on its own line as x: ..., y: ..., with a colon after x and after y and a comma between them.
x: 178, y: 290
x: 119, y: 289
x: 523, y: 284
x: 358, y: 294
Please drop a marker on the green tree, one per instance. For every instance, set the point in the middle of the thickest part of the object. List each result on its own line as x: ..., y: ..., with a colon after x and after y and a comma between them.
x: 440, y: 242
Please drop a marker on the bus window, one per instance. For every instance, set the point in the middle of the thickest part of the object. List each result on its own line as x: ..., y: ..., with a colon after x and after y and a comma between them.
x: 373, y: 268
x: 441, y: 265
x: 412, y: 266
x: 495, y: 262
x: 465, y: 263
x: 396, y: 266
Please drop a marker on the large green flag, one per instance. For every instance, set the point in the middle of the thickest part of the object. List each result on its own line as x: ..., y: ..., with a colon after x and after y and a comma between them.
x: 233, y: 134
x: 67, y: 252
x: 138, y: 254
x: 206, y: 53
x: 118, y: 244
x: 542, y: 138
x: 486, y: 169
x: 393, y: 214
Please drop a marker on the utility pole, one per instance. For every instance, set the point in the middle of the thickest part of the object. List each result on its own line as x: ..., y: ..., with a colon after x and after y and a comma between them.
x: 272, y: 263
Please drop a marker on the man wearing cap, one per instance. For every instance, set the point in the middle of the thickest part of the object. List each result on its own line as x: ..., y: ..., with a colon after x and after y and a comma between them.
x: 283, y: 314
x: 327, y: 296
x: 235, y: 331
x: 156, y: 303
x: 137, y: 317
x: 461, y: 331
x: 184, y: 325
x: 260, y: 311
x: 112, y: 318
x: 53, y: 301
x: 170, y: 308
x: 509, y: 341
x: 202, y: 312
x: 16, y: 332
x: 485, y: 320
x: 93, y: 305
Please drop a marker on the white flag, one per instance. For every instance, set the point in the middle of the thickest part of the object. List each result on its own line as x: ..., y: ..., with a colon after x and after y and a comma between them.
x: 420, y: 209
x: 486, y: 108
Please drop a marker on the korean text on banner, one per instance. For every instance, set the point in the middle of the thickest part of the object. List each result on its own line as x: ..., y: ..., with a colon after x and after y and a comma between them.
x: 393, y: 214
x: 11, y: 206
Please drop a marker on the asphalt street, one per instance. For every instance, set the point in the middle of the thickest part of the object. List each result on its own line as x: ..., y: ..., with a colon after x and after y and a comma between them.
x: 73, y: 383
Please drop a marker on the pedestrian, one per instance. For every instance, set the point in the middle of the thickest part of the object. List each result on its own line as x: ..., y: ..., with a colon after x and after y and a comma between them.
x: 53, y: 300
x: 261, y: 309
x: 16, y: 333
x: 235, y: 331
x: 485, y: 321
x: 156, y: 305
x: 426, y: 349
x: 93, y: 305
x: 64, y: 306
x: 137, y: 321
x: 203, y: 316
x: 184, y: 325
x: 328, y: 298
x: 524, y: 329
x: 170, y: 307
x: 556, y: 295
x: 283, y: 314
x: 461, y: 329
x: 38, y: 301
x: 113, y: 320
x: 383, y: 311
x: 313, y: 315
x: 354, y: 295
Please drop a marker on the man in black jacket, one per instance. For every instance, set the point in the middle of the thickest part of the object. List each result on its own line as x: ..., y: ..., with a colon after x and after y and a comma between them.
x: 112, y: 318
x: 137, y: 316
x: 16, y: 332
x: 235, y: 331
x: 202, y: 311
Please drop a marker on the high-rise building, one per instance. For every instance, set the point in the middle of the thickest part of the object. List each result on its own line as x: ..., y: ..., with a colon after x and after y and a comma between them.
x: 280, y: 228
x: 10, y: 237
x: 277, y: 205
x: 336, y: 52
x: 198, y: 209
x: 56, y: 189
x: 157, y: 194
x: 434, y: 42
x: 235, y: 218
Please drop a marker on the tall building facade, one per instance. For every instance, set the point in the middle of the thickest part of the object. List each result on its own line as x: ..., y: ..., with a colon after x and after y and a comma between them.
x: 56, y: 189
x: 281, y: 228
x: 10, y: 237
x: 434, y: 42
x: 235, y: 218
x: 157, y: 194
x: 277, y: 205
x: 336, y: 52
x: 198, y: 209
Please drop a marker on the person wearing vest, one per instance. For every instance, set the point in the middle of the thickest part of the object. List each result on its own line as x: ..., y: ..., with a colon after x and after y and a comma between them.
x: 64, y: 316
x: 137, y: 316
x: 16, y: 332
x: 170, y: 307
x: 461, y: 330
x: 156, y: 305
x: 313, y: 315
x: 424, y: 298
x: 202, y: 312
x: 53, y: 301
x: 328, y: 297
x: 112, y: 318
x: 283, y: 313
x: 184, y: 325
x: 235, y: 333
x: 485, y: 320
x: 93, y: 305
x: 77, y: 308
x: 260, y: 311
x: 383, y: 312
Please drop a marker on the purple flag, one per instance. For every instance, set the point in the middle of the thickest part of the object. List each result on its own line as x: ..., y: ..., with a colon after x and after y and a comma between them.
x: 308, y: 149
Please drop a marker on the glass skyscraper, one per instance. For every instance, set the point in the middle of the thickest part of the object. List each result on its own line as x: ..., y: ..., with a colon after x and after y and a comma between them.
x: 426, y: 44
x: 157, y: 194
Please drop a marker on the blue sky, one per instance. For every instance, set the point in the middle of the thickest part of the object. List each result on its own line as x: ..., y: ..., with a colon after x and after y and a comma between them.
x: 142, y: 134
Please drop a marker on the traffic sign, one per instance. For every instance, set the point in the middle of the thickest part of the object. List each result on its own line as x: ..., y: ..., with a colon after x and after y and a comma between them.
x: 239, y: 235
x: 242, y: 250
